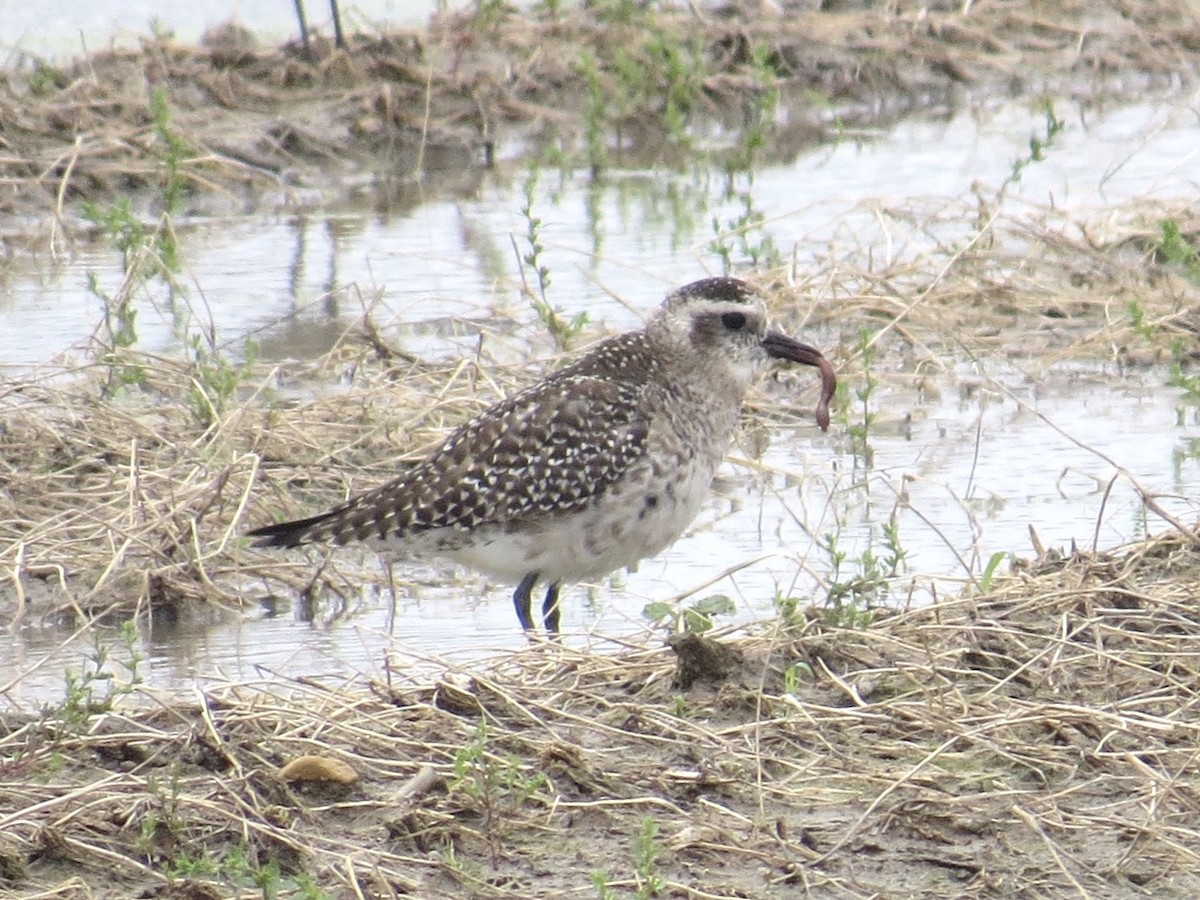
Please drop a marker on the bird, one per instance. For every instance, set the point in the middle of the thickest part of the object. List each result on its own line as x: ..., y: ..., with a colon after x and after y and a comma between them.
x: 598, y: 465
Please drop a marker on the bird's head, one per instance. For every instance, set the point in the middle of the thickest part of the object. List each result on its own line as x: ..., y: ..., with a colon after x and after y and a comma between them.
x: 720, y: 324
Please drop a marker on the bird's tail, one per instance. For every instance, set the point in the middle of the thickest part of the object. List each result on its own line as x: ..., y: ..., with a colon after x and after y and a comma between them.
x: 289, y: 534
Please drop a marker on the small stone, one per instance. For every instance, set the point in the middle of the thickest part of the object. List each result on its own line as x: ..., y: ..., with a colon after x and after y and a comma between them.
x: 318, y: 768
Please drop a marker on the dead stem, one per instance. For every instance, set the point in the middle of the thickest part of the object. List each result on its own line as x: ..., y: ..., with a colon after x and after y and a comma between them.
x: 1028, y: 733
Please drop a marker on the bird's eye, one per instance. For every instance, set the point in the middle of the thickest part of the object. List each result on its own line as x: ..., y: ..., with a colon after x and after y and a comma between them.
x: 733, y: 321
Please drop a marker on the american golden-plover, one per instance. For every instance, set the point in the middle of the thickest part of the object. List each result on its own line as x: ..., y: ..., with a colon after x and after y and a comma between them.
x: 596, y: 466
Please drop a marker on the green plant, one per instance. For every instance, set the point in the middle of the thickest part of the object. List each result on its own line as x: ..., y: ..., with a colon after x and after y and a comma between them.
x: 764, y: 101
x: 237, y: 869
x: 630, y: 76
x: 488, y: 14
x: 789, y: 613
x: 1038, y: 145
x: 499, y: 786
x: 146, y: 254
x: 148, y: 831
x: 122, y: 227
x: 793, y: 674
x: 187, y: 865
x: 533, y: 236
x: 160, y: 31
x: 267, y: 878
x: 646, y: 851
x: 595, y: 117
x: 172, y: 151
x: 744, y: 233
x: 694, y: 619
x: 895, y: 555
x: 120, y: 333
x: 860, y: 431
x: 1174, y: 248
x: 307, y: 888
x: 564, y: 330
x: 623, y: 12
x: 829, y: 111
x: 1178, y: 374
x: 94, y: 688
x: 679, y: 65
x: 161, y: 825
x: 119, y: 327
x: 215, y: 378
x: 1137, y: 319
x: 1186, y: 451
x: 463, y: 869
x: 46, y: 80
x: 851, y: 596
x: 989, y: 571
x: 600, y: 883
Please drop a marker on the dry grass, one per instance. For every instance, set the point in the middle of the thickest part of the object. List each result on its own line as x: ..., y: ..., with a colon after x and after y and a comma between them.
x: 1065, y: 284
x: 133, y: 504
x: 1034, y: 740
x: 286, y: 123
x: 121, y: 504
x: 1037, y: 741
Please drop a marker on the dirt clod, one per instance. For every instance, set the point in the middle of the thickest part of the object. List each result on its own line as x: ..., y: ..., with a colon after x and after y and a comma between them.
x: 703, y: 659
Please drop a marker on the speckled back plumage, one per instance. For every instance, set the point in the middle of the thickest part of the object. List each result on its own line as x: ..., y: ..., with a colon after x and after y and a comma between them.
x: 547, y: 450
x: 594, y: 467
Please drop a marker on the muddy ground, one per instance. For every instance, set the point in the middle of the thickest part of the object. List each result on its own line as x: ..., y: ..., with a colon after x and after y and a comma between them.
x: 1033, y: 737
x: 1038, y: 741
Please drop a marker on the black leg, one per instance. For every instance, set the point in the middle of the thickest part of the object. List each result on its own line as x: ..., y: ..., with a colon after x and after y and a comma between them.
x: 550, y: 609
x: 521, y: 600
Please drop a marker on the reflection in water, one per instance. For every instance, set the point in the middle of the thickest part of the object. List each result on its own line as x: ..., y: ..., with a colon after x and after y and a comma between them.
x: 58, y: 29
x: 963, y: 465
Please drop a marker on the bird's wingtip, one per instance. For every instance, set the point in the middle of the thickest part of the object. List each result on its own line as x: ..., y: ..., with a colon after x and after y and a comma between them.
x: 281, y: 534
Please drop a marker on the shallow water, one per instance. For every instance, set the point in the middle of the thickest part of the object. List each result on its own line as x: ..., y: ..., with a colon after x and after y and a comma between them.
x: 979, y: 460
x: 64, y: 28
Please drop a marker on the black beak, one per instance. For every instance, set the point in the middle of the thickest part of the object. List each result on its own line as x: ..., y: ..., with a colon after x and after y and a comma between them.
x: 780, y: 346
